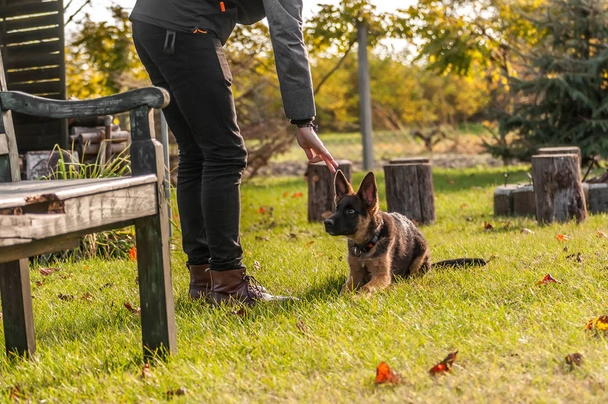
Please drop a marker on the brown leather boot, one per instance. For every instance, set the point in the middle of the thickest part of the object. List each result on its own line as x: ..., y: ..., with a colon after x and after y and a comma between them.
x: 235, y: 286
x: 200, y: 281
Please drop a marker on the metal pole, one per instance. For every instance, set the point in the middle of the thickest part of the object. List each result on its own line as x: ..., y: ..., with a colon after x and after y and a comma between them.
x: 365, y: 103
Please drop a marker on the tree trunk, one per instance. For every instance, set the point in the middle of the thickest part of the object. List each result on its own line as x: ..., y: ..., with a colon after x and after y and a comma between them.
x: 557, y: 188
x: 321, y: 190
x: 409, y: 190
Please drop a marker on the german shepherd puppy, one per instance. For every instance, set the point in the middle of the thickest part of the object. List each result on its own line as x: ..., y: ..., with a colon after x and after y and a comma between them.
x: 381, y: 245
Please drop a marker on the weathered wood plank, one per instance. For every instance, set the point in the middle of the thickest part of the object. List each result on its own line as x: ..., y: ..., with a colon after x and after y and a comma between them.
x: 52, y: 244
x: 151, y: 97
x: 82, y: 213
x: 17, y: 313
x: 19, y: 193
x: 10, y: 171
x: 28, y: 7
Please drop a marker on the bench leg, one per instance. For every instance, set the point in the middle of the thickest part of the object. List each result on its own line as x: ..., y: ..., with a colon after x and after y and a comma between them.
x: 17, y: 313
x: 155, y: 288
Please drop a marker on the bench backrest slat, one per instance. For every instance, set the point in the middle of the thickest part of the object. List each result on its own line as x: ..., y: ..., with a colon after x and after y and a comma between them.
x: 9, y: 155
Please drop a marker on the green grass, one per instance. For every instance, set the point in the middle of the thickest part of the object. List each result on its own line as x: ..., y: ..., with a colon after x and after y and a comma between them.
x: 511, y: 334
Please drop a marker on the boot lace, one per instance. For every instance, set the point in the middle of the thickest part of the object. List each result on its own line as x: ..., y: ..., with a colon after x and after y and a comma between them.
x: 254, y: 284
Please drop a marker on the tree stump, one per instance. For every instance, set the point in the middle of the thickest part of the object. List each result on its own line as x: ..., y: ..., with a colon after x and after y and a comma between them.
x: 557, y: 188
x: 562, y: 150
x: 409, y: 190
x: 321, y: 190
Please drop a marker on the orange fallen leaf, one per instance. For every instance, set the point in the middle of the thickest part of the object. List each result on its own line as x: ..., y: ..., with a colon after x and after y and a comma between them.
x: 384, y: 374
x: 562, y: 237
x: 445, y: 365
x: 487, y: 226
x: 601, y: 234
x: 261, y: 210
x: 548, y: 279
x: 285, y: 194
x: 133, y: 253
x: 598, y: 324
x: 297, y: 195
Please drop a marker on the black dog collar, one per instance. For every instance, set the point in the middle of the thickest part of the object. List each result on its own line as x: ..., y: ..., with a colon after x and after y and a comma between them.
x: 361, y: 249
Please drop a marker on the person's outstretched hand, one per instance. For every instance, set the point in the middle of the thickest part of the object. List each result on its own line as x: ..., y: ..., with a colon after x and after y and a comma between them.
x: 313, y: 147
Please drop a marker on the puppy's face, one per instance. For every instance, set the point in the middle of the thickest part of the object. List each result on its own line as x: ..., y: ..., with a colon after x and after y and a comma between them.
x: 353, y: 210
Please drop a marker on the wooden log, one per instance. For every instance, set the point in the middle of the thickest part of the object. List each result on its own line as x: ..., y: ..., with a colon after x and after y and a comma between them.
x: 409, y: 191
x: 503, y: 200
x: 557, y: 188
x: 321, y: 190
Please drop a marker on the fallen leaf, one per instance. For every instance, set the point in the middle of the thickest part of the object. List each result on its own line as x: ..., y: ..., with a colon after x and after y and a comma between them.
x: 133, y: 253
x: 525, y: 230
x: 507, y: 224
x: 261, y: 210
x: 384, y: 374
x: 487, y: 226
x: 445, y: 365
x: 577, y: 257
x: 15, y: 393
x: 301, y: 326
x: 297, y: 195
x: 574, y: 359
x: 131, y: 308
x: 181, y: 391
x: 47, y: 271
x: 146, y: 372
x: 598, y: 324
x: 601, y: 234
x: 241, y: 312
x: 464, y: 205
x: 67, y: 298
x: 548, y: 279
x: 87, y: 296
x: 562, y: 237
x: 285, y: 194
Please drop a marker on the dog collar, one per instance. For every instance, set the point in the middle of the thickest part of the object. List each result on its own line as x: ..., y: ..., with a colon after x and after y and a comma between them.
x: 360, y: 249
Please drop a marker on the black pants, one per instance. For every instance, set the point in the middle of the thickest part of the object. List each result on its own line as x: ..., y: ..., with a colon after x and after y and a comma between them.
x: 212, y: 155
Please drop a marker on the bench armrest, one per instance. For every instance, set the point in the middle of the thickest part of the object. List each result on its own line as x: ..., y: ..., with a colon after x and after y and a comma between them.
x: 152, y: 97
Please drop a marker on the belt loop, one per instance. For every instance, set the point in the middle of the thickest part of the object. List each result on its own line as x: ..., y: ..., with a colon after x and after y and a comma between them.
x: 169, y: 47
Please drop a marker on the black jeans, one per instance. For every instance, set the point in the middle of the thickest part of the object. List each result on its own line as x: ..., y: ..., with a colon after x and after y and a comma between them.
x: 212, y: 153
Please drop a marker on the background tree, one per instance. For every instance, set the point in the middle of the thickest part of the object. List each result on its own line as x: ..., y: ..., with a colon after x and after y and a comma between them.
x: 562, y: 90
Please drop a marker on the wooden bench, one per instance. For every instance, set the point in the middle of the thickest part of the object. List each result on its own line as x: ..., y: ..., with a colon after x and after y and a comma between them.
x: 38, y: 217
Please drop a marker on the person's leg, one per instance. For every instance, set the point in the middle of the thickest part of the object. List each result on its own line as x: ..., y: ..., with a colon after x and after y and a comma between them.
x: 200, y: 83
x: 189, y: 172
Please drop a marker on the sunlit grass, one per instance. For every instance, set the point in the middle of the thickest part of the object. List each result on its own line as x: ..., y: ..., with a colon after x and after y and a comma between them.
x: 512, y: 334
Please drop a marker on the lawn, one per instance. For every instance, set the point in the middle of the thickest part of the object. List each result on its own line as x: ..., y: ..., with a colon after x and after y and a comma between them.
x: 512, y: 334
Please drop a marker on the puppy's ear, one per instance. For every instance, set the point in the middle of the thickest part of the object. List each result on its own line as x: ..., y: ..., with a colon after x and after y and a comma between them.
x: 341, y: 186
x: 368, y: 192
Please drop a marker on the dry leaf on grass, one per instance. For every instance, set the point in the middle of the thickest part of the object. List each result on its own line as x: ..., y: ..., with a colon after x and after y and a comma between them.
x: 445, y: 365
x: 384, y: 374
x: 547, y: 279
x: 131, y: 308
